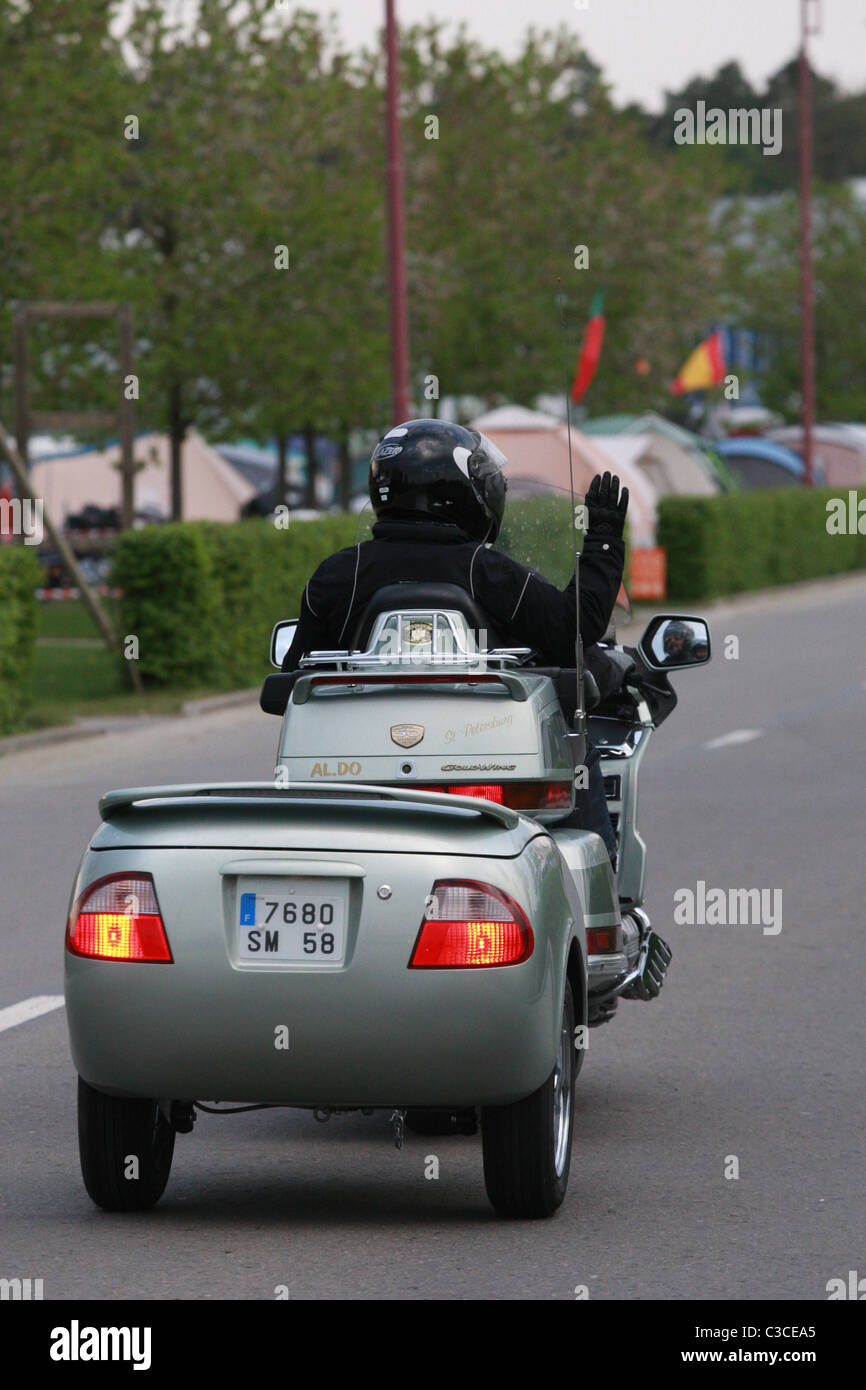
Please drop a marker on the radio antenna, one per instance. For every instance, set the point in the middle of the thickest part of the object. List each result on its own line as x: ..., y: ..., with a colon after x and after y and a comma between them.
x: 578, y: 650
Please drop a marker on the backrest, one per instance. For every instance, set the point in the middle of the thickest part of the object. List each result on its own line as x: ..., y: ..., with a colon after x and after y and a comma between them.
x: 429, y: 595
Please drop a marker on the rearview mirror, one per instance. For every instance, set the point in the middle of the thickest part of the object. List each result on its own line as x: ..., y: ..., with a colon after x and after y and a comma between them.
x: 282, y: 638
x: 672, y: 642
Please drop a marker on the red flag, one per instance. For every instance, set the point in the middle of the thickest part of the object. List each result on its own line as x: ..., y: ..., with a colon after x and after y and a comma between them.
x: 590, y: 349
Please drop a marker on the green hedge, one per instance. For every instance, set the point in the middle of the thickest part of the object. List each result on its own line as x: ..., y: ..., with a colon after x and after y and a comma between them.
x: 19, y: 577
x: 752, y: 540
x: 203, y: 597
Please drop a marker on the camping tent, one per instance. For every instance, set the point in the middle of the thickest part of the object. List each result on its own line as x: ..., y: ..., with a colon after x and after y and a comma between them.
x: 212, y: 489
x: 674, y: 459
x: 761, y: 463
x: 839, y: 450
x: 536, y: 447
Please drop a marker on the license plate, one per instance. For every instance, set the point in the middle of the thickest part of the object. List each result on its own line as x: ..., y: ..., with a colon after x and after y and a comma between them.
x: 292, y: 919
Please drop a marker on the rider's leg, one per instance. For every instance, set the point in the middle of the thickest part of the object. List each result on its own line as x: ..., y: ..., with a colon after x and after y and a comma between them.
x: 590, y: 805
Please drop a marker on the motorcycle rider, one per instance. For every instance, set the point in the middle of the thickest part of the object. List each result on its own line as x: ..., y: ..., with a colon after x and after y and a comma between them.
x: 438, y: 491
x: 677, y: 643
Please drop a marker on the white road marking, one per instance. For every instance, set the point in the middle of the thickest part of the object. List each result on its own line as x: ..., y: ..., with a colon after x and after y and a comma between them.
x: 29, y: 1008
x: 737, y: 736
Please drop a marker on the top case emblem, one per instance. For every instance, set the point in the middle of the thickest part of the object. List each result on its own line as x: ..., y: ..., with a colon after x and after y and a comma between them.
x: 407, y: 735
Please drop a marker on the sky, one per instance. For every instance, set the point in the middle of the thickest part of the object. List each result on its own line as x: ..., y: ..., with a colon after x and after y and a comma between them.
x: 647, y: 46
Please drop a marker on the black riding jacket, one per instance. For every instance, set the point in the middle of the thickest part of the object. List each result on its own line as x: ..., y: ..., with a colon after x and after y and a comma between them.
x: 524, y: 608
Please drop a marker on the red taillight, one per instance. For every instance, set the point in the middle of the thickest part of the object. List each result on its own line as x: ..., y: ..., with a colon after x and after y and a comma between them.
x: 468, y: 925
x: 519, y: 796
x: 603, y: 941
x: 557, y: 794
x: 118, y: 918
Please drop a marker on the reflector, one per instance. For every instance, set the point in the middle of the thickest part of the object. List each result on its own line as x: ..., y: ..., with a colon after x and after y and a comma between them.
x: 603, y: 941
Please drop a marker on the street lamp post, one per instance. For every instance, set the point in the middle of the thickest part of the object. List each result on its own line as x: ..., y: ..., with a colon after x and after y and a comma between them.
x: 807, y: 297
x: 396, y: 228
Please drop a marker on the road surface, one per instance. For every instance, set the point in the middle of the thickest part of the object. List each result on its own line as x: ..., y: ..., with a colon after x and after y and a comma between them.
x: 750, y: 1061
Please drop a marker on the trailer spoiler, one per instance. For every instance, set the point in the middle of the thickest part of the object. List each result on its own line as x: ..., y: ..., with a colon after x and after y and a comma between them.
x: 116, y: 802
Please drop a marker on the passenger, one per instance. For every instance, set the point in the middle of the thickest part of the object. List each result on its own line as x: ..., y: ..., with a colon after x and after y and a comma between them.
x: 438, y: 491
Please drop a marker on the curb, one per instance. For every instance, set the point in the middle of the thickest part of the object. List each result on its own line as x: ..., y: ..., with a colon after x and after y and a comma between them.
x: 63, y: 733
x: 226, y: 701
x: 93, y: 728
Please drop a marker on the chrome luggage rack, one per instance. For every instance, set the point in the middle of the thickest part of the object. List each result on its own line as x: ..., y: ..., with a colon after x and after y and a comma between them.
x: 419, y: 637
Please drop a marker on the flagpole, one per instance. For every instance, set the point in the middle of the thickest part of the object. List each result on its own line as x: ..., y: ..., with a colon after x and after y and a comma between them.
x: 400, y: 409
x: 579, y: 713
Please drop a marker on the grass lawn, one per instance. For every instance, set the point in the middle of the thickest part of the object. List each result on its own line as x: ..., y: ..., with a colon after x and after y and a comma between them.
x: 68, y: 682
x: 69, y: 618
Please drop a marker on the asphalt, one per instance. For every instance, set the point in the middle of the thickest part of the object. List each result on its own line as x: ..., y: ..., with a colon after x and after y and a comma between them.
x: 753, y: 1052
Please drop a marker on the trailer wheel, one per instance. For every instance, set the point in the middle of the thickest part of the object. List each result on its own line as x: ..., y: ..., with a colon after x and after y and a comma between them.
x: 527, y: 1145
x: 126, y: 1148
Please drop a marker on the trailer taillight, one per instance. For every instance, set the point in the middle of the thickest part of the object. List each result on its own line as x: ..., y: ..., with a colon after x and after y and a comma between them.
x: 470, y: 924
x: 118, y: 918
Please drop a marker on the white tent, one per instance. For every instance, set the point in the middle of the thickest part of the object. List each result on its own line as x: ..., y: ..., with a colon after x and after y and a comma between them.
x: 212, y: 489
x: 536, y: 447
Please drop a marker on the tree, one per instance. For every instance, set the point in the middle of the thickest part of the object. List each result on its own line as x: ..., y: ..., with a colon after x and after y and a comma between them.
x: 531, y: 161
x: 762, y: 275
x: 59, y: 150
x: 314, y: 352
x: 839, y: 126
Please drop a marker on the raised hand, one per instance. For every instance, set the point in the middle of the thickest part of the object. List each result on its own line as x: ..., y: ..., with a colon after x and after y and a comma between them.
x: 606, y: 505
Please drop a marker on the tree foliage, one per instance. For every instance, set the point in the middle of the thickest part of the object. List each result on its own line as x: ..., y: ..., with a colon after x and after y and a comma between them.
x: 163, y: 155
x: 839, y: 121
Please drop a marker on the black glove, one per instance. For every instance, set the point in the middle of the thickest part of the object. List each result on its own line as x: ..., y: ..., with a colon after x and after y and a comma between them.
x: 606, y: 506
x: 623, y: 662
x: 610, y: 667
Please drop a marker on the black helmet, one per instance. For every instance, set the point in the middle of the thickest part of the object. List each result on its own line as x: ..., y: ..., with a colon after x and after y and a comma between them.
x: 431, y: 468
x: 678, y: 631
